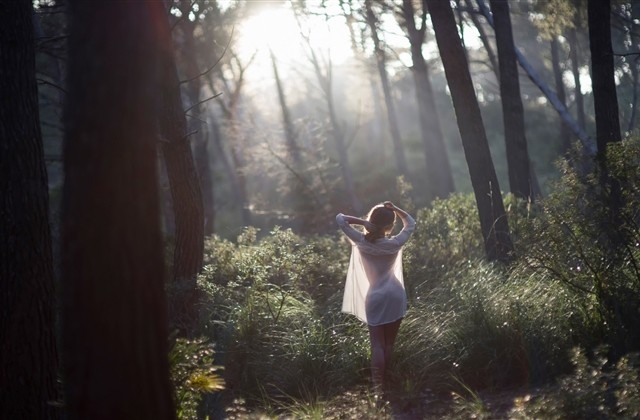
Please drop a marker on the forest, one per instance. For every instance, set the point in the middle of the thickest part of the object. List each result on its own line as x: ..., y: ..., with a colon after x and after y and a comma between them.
x: 171, y: 172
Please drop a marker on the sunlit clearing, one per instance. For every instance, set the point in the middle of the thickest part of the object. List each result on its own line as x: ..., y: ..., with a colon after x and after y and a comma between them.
x: 275, y: 28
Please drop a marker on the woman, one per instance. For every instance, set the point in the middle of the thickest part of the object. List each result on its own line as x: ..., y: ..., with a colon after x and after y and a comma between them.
x: 374, y: 290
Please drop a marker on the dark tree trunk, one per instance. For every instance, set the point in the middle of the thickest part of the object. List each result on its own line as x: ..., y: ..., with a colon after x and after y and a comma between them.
x: 28, y: 356
x: 493, y: 219
x: 565, y: 135
x: 512, y: 109
x: 439, y: 175
x: 394, y: 130
x: 197, y: 137
x: 183, y: 182
x: 114, y: 310
x: 605, y: 97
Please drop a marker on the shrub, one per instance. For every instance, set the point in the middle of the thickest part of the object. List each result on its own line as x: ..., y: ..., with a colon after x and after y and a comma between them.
x: 595, y: 390
x: 577, y: 240
x: 193, y: 374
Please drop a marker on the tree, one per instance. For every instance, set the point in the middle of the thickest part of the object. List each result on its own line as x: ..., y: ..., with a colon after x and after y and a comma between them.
x: 394, y: 129
x: 493, y: 219
x: 197, y: 137
x: 562, y: 110
x: 602, y: 74
x: 606, y: 109
x: 512, y: 109
x: 183, y: 181
x: 114, y: 337
x: 325, y: 80
x: 29, y: 361
x: 438, y: 167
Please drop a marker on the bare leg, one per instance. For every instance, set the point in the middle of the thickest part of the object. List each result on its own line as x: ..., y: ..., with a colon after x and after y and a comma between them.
x: 390, y: 334
x: 382, y: 339
x: 377, y: 338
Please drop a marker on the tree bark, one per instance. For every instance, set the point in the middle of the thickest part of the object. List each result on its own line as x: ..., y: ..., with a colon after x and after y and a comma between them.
x: 183, y: 182
x: 493, y: 219
x: 115, y: 337
x: 438, y: 168
x: 394, y: 130
x: 605, y: 97
x: 200, y: 141
x: 28, y: 355
x: 512, y: 109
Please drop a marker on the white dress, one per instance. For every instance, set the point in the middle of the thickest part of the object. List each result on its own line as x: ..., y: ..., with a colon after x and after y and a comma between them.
x: 374, y: 289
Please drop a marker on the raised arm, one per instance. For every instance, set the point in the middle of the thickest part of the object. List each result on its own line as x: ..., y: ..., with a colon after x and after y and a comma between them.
x: 345, y: 221
x: 408, y: 222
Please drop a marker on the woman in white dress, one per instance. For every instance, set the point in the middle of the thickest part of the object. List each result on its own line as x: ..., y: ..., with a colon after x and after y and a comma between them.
x: 374, y: 289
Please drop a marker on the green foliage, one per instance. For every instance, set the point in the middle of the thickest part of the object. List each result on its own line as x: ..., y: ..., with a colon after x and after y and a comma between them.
x: 595, y: 390
x: 273, y: 307
x: 272, y: 304
x: 580, y: 240
x: 193, y: 374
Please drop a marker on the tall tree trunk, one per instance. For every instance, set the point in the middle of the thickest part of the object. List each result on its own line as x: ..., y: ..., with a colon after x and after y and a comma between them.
x: 28, y: 356
x: 114, y: 310
x: 183, y: 182
x: 439, y: 175
x: 493, y: 219
x: 198, y: 139
x: 512, y: 109
x: 565, y: 136
x: 602, y: 74
x: 398, y: 149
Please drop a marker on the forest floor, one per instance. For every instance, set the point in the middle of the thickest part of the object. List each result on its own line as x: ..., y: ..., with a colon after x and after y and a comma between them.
x: 395, y: 405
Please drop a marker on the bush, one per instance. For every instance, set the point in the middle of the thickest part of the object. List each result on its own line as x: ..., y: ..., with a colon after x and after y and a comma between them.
x: 193, y: 374
x: 579, y: 240
x: 595, y: 390
x: 272, y: 305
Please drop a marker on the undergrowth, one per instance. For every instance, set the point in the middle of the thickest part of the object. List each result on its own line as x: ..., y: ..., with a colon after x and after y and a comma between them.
x: 272, y: 306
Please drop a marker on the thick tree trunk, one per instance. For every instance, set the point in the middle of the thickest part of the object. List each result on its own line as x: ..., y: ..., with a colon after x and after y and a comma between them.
x: 114, y: 310
x: 438, y: 168
x: 605, y: 97
x: 28, y: 356
x: 512, y: 109
x: 394, y: 129
x: 183, y: 182
x: 493, y: 219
